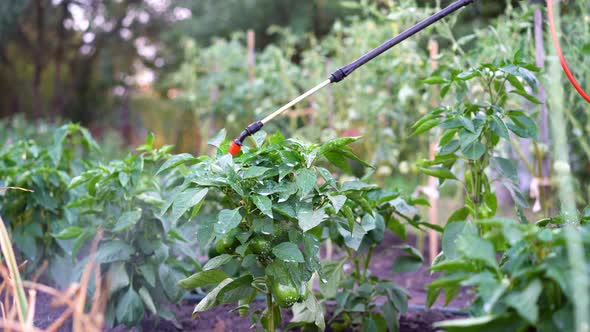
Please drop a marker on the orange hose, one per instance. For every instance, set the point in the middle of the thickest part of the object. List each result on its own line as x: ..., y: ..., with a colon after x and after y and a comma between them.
x: 564, y: 65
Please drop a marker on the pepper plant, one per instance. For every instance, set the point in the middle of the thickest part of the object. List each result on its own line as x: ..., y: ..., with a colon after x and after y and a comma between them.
x: 530, y: 287
x: 143, y: 252
x: 46, y: 169
x: 360, y: 227
x: 275, y: 199
x: 476, y: 125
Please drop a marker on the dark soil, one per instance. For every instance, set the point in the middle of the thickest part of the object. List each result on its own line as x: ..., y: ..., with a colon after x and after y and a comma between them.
x: 221, y: 320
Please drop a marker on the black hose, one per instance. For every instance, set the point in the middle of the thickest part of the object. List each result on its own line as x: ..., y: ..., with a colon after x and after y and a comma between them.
x: 343, y: 72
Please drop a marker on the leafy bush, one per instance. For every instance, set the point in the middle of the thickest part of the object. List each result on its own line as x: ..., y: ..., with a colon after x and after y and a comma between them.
x: 145, y: 251
x: 369, y: 213
x: 276, y: 202
x: 529, y: 287
x: 46, y: 169
x: 473, y: 128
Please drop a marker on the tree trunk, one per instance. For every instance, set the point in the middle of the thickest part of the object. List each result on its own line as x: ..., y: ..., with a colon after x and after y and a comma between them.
x: 38, y: 59
x: 58, y: 100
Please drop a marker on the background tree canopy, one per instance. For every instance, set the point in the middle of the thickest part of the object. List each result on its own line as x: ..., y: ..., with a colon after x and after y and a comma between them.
x: 79, y: 59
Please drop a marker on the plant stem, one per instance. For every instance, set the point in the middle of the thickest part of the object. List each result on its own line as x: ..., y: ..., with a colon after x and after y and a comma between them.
x: 356, y: 265
x: 367, y: 261
x: 270, y: 311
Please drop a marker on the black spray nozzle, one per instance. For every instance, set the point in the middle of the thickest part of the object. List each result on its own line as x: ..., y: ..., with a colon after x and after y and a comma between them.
x: 252, y: 129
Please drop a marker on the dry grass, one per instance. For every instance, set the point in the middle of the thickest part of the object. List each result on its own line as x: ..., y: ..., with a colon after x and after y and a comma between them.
x: 18, y: 297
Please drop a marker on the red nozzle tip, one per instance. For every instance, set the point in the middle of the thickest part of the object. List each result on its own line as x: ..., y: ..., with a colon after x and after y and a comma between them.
x: 234, y: 149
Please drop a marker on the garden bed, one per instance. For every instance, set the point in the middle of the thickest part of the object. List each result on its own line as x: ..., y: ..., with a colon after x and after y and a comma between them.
x: 220, y: 319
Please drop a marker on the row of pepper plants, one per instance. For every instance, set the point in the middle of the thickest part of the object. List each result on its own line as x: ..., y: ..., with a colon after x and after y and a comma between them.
x: 266, y: 213
x: 263, y: 216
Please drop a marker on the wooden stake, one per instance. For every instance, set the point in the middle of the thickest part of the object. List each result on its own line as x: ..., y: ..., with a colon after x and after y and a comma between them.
x: 432, y: 182
x: 251, y: 54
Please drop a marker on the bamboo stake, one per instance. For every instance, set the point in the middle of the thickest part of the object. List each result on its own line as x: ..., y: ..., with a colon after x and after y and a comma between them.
x: 433, y: 242
x: 251, y: 55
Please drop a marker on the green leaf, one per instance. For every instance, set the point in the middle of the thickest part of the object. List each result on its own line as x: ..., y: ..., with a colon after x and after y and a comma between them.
x: 56, y: 149
x: 203, y: 278
x: 254, y: 172
x: 264, y: 204
x: 505, y: 167
x: 217, y: 139
x: 438, y: 172
x: 392, y: 313
x: 288, y: 252
x: 130, y: 308
x: 523, y: 126
x: 459, y: 215
x: 527, y: 96
x: 426, y: 126
x: 476, y: 248
x: 432, y: 295
x: 147, y: 300
x: 310, y: 311
x: 238, y: 289
x: 185, y: 201
x: 467, y: 124
x: 449, y: 148
x: 309, y: 218
x: 332, y: 275
x: 435, y: 80
x: 335, y: 144
x: 474, y: 150
x: 499, y: 127
x: 113, y: 251
x: 127, y: 220
x: 327, y: 176
x: 227, y: 220
x: 217, y: 261
x: 337, y: 201
x: 149, y: 274
x: 175, y: 161
x: 69, y: 233
x: 210, y: 300
x: 118, y: 277
x: 406, y: 264
x: 338, y: 160
x: 259, y: 138
x: 170, y: 278
x: 525, y: 301
x: 305, y: 180
x: 518, y: 71
x: 451, y: 234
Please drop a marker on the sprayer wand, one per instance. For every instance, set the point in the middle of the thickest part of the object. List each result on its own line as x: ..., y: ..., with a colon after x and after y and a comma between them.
x: 343, y: 72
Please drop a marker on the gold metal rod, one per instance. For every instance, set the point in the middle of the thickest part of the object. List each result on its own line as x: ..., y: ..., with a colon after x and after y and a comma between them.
x: 295, y: 101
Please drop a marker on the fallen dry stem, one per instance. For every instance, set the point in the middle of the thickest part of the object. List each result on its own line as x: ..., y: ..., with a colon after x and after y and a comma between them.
x: 73, y: 298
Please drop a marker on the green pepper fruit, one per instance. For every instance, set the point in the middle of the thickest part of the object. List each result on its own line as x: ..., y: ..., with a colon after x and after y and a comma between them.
x: 227, y: 244
x: 260, y: 246
x: 285, y: 295
x: 213, y: 252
